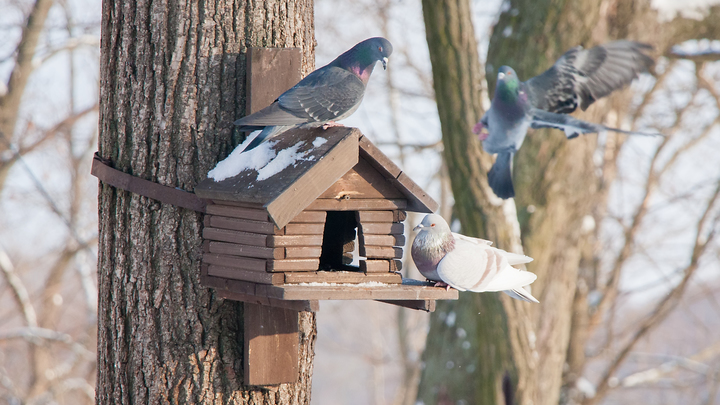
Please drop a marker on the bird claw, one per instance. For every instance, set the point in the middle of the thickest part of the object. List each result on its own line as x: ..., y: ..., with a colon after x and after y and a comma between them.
x: 481, y: 131
x: 441, y: 284
x: 331, y: 124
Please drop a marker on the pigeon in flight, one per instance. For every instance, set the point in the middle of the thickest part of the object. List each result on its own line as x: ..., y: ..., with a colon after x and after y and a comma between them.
x: 577, y: 79
x: 468, y: 264
x: 328, y: 94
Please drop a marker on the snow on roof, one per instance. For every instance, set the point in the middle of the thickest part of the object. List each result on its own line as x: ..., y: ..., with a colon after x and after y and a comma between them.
x: 263, y: 159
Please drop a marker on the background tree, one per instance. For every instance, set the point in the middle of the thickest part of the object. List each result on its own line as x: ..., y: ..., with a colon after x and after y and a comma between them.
x: 560, y: 198
x: 172, y: 82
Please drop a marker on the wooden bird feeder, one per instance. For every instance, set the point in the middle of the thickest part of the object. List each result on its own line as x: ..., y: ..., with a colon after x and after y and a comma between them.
x: 282, y: 243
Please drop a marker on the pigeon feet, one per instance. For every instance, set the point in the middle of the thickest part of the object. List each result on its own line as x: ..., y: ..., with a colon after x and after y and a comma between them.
x: 331, y: 124
x: 441, y: 284
x: 481, y: 131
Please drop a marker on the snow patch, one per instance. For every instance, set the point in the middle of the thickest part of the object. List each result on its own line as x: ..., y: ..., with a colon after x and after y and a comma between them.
x: 365, y: 284
x: 319, y: 141
x: 263, y: 159
x: 238, y: 161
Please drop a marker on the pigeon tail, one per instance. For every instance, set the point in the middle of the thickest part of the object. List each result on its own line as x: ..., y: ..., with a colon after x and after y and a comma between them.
x: 573, y: 126
x: 500, y: 176
x: 510, y: 278
x: 265, y: 134
x: 521, y: 294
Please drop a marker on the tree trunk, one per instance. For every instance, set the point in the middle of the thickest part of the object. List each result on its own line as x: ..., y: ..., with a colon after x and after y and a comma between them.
x: 172, y: 83
x: 528, y: 341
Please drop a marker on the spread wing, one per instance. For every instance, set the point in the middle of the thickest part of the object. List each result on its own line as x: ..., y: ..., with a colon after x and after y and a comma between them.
x: 582, y: 76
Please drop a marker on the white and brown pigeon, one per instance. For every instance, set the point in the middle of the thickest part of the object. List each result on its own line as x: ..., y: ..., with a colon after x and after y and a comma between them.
x: 328, y: 94
x: 577, y: 79
x: 468, y: 264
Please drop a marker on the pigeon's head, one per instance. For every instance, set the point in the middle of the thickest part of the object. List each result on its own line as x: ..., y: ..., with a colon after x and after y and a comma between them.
x: 362, y: 57
x: 434, y: 224
x: 508, y: 85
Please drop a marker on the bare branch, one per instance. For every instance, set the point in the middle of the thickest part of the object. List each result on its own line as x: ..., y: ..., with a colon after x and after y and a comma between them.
x: 20, y: 293
x: 655, y: 373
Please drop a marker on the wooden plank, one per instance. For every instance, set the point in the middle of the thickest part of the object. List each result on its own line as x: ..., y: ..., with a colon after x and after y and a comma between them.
x: 246, y: 275
x: 270, y: 72
x: 239, y: 237
x: 356, y: 204
x: 396, y: 265
x: 309, y: 217
x: 418, y: 199
x: 362, y: 181
x: 382, y: 228
x: 304, y: 229
x: 294, y: 240
x: 421, y: 305
x: 246, y: 251
x: 419, y: 291
x: 378, y: 159
x: 375, y: 266
x: 298, y: 252
x: 254, y: 206
x: 384, y: 240
x: 383, y: 252
x: 376, y: 216
x: 399, y: 216
x: 293, y: 265
x: 309, y: 306
x: 315, y: 180
x: 235, y: 261
x: 342, y: 277
x: 271, y: 345
x: 237, y: 212
x: 237, y: 224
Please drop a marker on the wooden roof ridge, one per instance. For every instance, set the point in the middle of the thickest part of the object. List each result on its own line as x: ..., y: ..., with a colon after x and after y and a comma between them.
x: 418, y: 199
x: 293, y: 189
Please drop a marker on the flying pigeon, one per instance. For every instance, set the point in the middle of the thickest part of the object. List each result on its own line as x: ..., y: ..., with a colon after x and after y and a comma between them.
x: 326, y: 95
x: 468, y: 264
x: 578, y: 78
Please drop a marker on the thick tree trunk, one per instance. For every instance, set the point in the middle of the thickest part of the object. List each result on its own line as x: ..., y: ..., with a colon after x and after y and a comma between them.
x: 528, y: 341
x: 172, y: 82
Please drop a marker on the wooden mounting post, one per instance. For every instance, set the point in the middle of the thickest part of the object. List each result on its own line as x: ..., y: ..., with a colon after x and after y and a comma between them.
x: 271, y: 345
x: 271, y: 333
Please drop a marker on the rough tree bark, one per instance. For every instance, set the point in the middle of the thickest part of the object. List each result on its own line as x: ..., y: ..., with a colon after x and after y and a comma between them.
x: 172, y: 82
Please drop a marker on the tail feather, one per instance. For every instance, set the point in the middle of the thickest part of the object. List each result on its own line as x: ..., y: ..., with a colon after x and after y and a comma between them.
x: 521, y: 294
x: 267, y: 133
x: 500, y: 176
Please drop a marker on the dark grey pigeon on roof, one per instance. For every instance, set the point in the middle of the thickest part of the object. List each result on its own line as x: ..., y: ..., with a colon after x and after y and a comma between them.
x: 577, y: 79
x: 328, y: 94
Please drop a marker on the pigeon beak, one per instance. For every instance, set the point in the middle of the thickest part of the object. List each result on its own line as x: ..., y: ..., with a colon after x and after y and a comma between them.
x: 384, y: 62
x: 417, y: 228
x: 501, y: 76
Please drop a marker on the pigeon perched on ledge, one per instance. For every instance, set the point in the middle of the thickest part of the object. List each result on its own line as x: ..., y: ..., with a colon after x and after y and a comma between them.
x: 468, y: 264
x: 577, y: 79
x: 328, y: 94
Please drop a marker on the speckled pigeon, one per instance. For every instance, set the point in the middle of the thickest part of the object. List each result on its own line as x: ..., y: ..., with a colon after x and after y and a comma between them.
x: 577, y: 79
x: 468, y: 264
x: 326, y: 95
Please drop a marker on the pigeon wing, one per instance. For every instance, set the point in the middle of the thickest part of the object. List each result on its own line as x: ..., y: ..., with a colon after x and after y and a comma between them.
x: 324, y: 95
x: 573, y: 126
x: 328, y: 94
x: 580, y: 76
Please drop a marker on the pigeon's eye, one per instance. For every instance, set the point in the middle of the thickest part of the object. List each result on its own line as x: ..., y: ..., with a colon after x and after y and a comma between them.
x: 380, y: 48
x: 432, y: 225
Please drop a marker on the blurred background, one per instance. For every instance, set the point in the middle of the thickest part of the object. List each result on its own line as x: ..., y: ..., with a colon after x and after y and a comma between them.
x: 649, y: 292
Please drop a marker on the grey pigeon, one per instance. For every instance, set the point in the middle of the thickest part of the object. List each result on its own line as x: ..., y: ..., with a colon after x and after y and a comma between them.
x: 578, y: 78
x: 330, y: 93
x: 468, y: 264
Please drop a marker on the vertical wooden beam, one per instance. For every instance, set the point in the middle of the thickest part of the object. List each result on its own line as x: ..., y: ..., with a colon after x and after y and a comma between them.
x: 271, y: 345
x: 270, y: 72
x: 271, y: 333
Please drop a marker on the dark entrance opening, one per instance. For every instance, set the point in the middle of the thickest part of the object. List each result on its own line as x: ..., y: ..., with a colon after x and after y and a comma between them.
x: 338, y: 240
